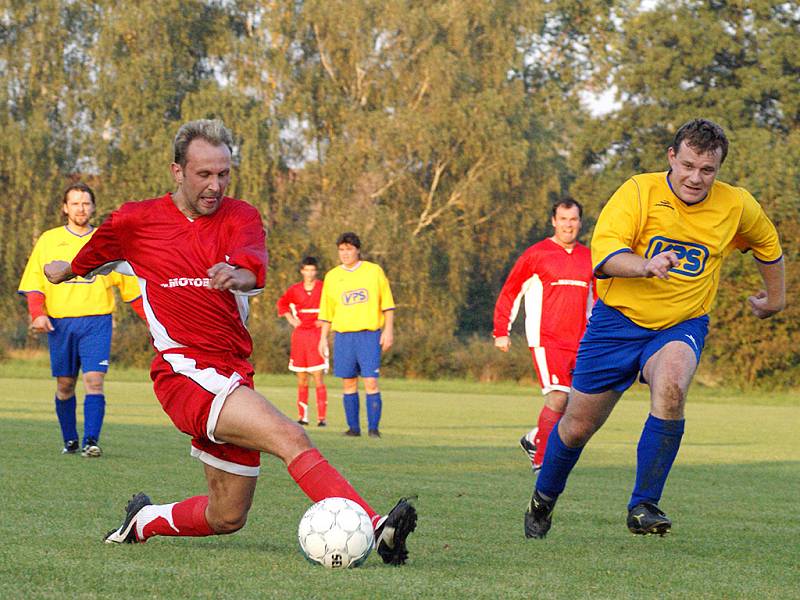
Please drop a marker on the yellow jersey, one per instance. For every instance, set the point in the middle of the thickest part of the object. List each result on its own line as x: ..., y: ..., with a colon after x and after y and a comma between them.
x: 646, y: 217
x: 354, y: 300
x: 78, y: 297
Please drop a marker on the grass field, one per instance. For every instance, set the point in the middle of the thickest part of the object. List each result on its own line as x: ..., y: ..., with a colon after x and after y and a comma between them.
x: 732, y: 496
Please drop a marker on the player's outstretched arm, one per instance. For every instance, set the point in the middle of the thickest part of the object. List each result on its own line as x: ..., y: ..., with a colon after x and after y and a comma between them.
x: 58, y: 271
x: 628, y: 264
x: 772, y: 300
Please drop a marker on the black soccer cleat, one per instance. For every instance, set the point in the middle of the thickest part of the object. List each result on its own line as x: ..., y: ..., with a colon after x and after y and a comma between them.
x: 538, y: 516
x: 91, y: 449
x: 530, y: 449
x: 374, y: 433
x: 126, y: 534
x: 352, y: 433
x: 71, y: 447
x: 646, y: 518
x: 391, y: 534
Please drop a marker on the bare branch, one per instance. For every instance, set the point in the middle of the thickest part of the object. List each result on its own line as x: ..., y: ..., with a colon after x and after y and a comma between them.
x: 323, y: 58
x: 427, y: 217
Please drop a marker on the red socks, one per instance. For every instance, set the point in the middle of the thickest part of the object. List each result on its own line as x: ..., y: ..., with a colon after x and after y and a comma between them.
x: 186, y: 519
x: 319, y: 480
x: 315, y: 476
x: 302, y: 402
x: 547, y: 420
x: 322, y: 402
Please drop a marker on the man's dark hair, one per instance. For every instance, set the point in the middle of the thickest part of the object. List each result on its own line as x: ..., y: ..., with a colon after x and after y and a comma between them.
x: 211, y: 130
x: 79, y: 187
x: 349, y: 238
x: 567, y: 202
x: 703, y: 136
x: 309, y: 260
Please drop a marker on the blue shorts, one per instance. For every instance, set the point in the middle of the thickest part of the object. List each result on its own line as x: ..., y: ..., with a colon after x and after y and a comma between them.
x: 614, y: 349
x: 357, y: 353
x: 79, y: 342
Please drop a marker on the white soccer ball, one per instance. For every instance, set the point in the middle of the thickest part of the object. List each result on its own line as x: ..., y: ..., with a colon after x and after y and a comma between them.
x: 336, y: 533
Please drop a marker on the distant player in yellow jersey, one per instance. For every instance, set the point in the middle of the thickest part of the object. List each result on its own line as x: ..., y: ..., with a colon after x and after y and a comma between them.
x: 77, y: 319
x: 357, y: 304
x: 657, y: 252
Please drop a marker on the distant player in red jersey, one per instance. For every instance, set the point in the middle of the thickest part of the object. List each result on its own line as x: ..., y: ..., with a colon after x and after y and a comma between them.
x: 554, y: 277
x: 198, y: 254
x: 299, y: 305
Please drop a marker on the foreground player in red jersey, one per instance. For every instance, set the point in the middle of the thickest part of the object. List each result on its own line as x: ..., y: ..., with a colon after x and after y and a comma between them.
x: 299, y: 305
x: 198, y: 254
x: 555, y: 278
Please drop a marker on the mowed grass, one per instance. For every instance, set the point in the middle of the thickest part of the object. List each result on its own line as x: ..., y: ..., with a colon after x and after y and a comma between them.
x: 732, y: 496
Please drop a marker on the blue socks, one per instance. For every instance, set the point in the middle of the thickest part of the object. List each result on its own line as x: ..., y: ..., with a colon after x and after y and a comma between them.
x: 657, y: 450
x: 351, y: 411
x: 65, y: 411
x: 94, y: 409
x: 559, y: 460
x: 658, y: 447
x: 374, y: 405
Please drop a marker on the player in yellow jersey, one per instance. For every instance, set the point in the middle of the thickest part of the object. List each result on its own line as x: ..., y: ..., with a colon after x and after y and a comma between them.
x: 357, y: 304
x: 77, y: 319
x: 657, y: 251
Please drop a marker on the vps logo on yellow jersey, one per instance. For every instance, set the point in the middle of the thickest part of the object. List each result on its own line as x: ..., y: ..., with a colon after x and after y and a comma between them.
x: 692, y: 257
x: 358, y: 296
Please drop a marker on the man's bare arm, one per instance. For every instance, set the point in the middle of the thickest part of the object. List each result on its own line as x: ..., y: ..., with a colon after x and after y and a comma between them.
x: 628, y: 264
x: 766, y: 303
x: 322, y: 347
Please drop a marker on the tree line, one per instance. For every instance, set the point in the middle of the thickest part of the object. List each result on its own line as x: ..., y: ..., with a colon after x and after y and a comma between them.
x: 439, y: 131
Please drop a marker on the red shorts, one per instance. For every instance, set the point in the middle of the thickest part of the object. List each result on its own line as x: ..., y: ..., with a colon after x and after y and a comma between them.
x: 192, y: 387
x: 305, y: 356
x: 553, y: 367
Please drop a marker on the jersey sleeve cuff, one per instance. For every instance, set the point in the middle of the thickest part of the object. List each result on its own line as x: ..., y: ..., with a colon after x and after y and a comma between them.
x: 598, y: 273
x: 769, y: 262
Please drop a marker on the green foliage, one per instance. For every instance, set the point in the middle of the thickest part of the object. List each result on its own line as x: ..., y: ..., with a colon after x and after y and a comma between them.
x: 439, y: 131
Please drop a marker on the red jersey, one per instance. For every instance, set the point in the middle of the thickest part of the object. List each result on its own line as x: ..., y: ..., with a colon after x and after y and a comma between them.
x: 170, y: 254
x: 302, y: 304
x: 558, y: 289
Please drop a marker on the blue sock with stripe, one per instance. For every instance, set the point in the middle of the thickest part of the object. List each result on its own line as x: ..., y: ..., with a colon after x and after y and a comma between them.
x: 351, y: 402
x: 374, y: 406
x: 65, y: 411
x: 559, y: 460
x: 658, y: 447
x: 94, y: 409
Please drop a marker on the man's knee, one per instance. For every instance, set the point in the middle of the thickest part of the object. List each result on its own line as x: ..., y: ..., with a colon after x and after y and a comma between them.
x: 295, y: 441
x: 575, y: 432
x: 371, y: 385
x: 669, y: 401
x: 556, y: 400
x: 65, y: 387
x: 93, y: 382
x: 297, y: 436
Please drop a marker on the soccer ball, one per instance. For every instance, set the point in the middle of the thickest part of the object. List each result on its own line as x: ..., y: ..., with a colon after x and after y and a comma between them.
x: 336, y: 533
